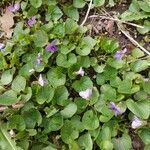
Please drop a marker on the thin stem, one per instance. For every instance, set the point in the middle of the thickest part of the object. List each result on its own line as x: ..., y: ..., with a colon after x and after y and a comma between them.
x: 87, y: 13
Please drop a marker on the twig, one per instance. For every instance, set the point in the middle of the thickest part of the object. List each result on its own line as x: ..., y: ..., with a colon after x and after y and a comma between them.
x: 111, y: 18
x: 87, y: 13
x: 120, y: 27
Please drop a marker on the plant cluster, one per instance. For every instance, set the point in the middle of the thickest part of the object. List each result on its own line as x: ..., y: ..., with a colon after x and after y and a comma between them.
x: 63, y: 89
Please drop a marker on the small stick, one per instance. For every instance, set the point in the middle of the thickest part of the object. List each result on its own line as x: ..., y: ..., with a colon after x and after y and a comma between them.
x: 110, y: 18
x: 87, y: 13
x: 131, y: 39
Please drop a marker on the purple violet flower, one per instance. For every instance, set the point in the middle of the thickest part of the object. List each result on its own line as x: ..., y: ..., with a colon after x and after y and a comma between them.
x: 86, y: 94
x: 41, y: 81
x: 120, y: 54
x: 80, y: 72
x: 51, y: 47
x: 38, y: 59
x: 14, y: 8
x: 31, y: 21
x: 136, y: 122
x: 115, y: 108
x: 2, y: 46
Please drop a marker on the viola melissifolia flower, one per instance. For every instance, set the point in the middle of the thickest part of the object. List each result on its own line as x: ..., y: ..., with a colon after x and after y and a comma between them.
x: 136, y: 122
x: 120, y: 54
x: 14, y: 8
x: 115, y: 108
x: 86, y: 94
x: 2, y: 46
x: 51, y: 47
x: 80, y: 72
x: 41, y: 81
x: 31, y: 21
x: 38, y: 59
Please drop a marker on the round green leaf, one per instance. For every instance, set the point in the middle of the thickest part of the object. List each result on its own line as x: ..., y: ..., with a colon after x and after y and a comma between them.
x: 71, y: 12
x: 16, y: 122
x: 78, y: 3
x: 36, y: 3
x: 31, y: 117
x: 8, y: 98
x: 69, y: 110
x: 82, y: 84
x: 140, y: 108
x: 123, y: 143
x: 69, y: 132
x: 6, y: 77
x: 53, y: 124
x: 40, y: 38
x: 140, y: 65
x: 90, y: 120
x: 98, y: 3
x: 44, y: 94
x: 85, y: 142
x: 18, y: 84
x: 56, y: 77
x: 145, y: 135
x: 85, y: 46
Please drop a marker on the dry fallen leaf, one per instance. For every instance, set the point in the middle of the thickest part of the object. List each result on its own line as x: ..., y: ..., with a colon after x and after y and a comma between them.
x: 110, y: 26
x: 6, y: 22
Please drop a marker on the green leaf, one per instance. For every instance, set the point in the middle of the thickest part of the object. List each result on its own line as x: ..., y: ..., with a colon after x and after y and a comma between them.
x: 90, y: 120
x: 117, y: 64
x: 71, y: 12
x: 140, y: 108
x: 69, y: 110
x: 125, y: 86
x: 146, y: 28
x: 8, y: 98
x: 140, y: 65
x: 105, y: 144
x: 79, y: 3
x: 85, y: 141
x: 66, y: 60
x: 108, y: 45
x: 56, y: 77
x: 45, y: 94
x: 130, y: 16
x: 109, y: 92
x: 146, y: 87
x: 28, y: 94
x: 82, y: 84
x: 68, y: 132
x: 84, y: 61
x: 61, y: 94
x: 31, y: 117
x: 85, y: 46
x: 136, y: 53
x: 134, y: 6
x: 70, y: 26
x: 36, y: 3
x: 53, y: 123
x: 6, y: 77
x: 16, y: 122
x: 40, y: 38
x: 144, y: 134
x: 53, y: 13
x: 18, y: 84
x: 81, y: 105
x: 98, y: 3
x: 144, y: 5
x: 6, y: 142
x: 122, y: 143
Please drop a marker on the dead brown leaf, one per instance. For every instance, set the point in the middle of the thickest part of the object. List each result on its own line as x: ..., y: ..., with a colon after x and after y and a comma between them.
x: 110, y: 27
x: 6, y: 22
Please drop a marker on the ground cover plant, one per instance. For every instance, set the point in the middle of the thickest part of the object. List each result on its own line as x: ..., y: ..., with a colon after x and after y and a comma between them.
x: 74, y: 75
